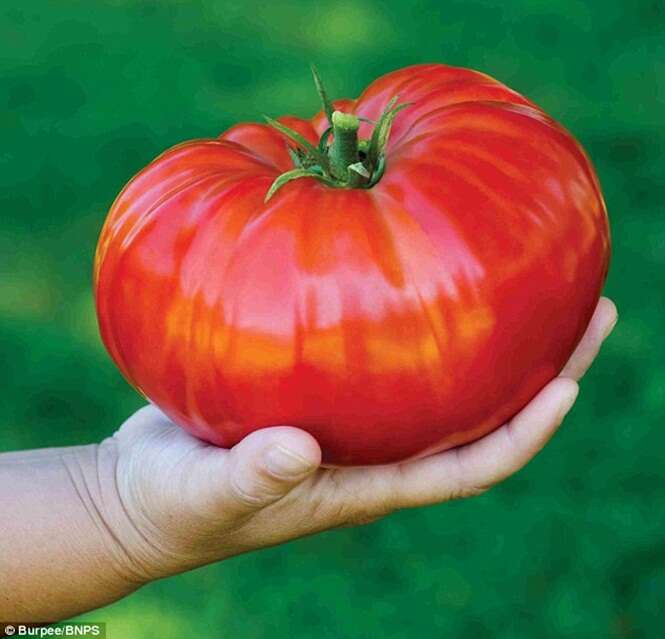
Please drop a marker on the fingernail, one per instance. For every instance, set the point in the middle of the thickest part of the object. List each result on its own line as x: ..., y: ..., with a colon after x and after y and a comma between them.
x: 285, y: 463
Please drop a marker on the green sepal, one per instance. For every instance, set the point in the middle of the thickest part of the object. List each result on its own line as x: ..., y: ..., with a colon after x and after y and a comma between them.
x: 296, y: 157
x: 360, y: 169
x: 323, y: 142
x: 325, y: 101
x: 381, y: 132
x: 289, y: 176
x: 377, y: 174
x: 316, y: 155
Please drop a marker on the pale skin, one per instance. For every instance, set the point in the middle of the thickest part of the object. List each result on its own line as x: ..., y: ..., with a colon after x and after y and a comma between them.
x: 82, y: 527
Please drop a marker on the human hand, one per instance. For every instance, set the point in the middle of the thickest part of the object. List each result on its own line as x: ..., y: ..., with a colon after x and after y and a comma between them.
x: 179, y: 503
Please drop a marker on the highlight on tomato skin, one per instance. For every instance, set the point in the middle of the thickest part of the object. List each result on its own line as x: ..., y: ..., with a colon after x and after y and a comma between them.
x: 398, y: 283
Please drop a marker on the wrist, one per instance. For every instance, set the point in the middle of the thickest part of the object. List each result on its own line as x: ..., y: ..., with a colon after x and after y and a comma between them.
x: 151, y: 532
x: 65, y: 547
x: 118, y: 546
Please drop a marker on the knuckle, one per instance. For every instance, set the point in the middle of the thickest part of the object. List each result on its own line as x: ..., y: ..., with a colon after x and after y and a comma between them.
x: 464, y: 489
x: 258, y: 488
x: 250, y: 494
x: 359, y: 513
x: 333, y: 505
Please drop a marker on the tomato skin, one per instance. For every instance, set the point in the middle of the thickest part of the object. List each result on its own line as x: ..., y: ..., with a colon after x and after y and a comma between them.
x: 390, y: 322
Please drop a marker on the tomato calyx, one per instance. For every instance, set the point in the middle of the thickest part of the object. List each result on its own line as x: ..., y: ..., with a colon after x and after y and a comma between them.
x: 348, y: 162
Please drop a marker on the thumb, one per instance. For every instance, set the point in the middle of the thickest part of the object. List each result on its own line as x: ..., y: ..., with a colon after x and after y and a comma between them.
x: 261, y: 469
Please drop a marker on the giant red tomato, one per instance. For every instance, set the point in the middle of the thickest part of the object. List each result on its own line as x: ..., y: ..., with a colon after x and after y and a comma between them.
x: 390, y: 320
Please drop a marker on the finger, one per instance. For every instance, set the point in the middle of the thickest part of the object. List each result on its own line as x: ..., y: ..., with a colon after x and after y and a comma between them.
x: 603, y: 321
x: 262, y: 468
x: 505, y: 451
x: 469, y: 469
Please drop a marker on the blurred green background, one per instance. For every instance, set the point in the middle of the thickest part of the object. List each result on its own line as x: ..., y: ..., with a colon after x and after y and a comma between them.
x: 574, y: 546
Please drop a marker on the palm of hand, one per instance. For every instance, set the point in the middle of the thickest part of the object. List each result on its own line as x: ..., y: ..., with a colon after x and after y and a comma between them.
x: 189, y: 503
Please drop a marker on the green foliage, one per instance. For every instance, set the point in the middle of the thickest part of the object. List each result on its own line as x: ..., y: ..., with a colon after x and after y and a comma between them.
x: 574, y: 546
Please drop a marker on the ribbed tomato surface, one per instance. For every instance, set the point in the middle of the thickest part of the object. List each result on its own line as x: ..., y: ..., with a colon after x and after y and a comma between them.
x: 389, y: 322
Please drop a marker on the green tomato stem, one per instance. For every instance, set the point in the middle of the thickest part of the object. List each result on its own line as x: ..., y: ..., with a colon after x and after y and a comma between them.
x: 348, y: 163
x: 344, y: 149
